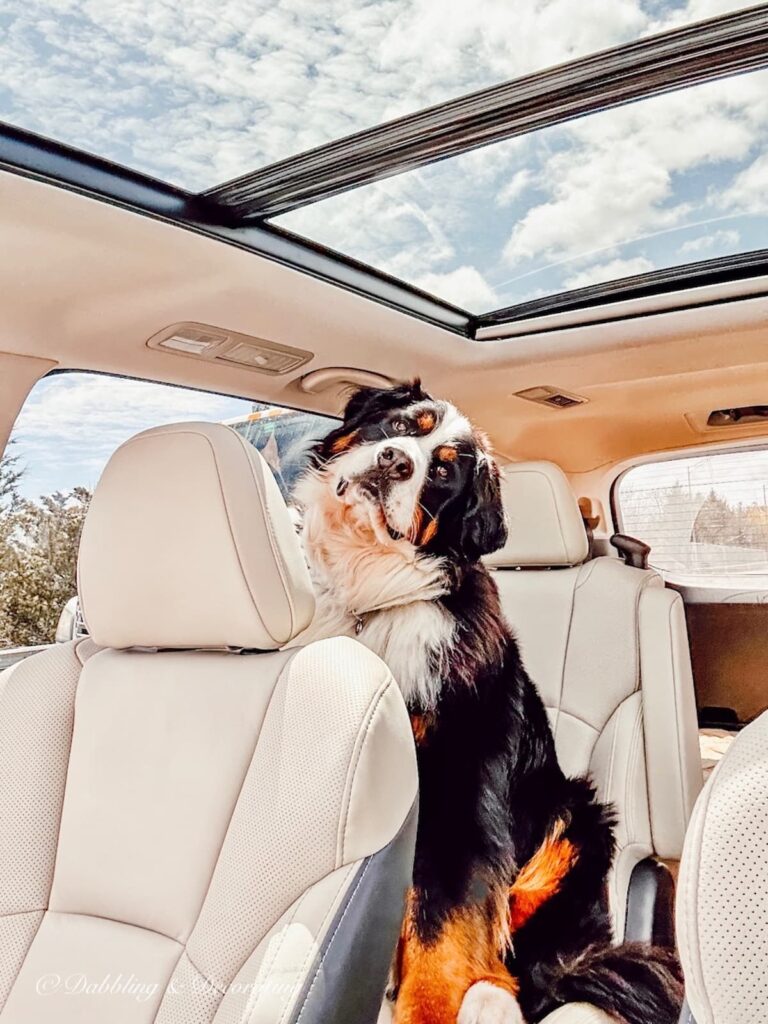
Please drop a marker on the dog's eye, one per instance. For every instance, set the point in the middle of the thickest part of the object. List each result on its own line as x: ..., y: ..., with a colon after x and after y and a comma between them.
x: 399, y: 426
x: 442, y: 472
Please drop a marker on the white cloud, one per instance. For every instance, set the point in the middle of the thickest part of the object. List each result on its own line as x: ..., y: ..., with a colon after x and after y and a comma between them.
x: 464, y: 286
x: 749, y: 190
x: 610, y: 271
x: 199, y: 93
x: 723, y: 241
x: 614, y: 176
x: 71, y: 423
x: 515, y: 187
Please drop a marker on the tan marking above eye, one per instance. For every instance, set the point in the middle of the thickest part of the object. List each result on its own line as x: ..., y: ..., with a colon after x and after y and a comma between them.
x: 447, y: 454
x: 426, y: 421
x: 343, y: 442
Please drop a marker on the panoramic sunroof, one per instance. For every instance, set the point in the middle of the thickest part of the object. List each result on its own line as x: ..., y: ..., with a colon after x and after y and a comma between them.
x: 198, y: 93
x: 663, y: 182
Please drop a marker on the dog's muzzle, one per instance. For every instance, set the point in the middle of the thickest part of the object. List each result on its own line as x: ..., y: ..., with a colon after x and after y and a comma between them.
x: 395, y: 464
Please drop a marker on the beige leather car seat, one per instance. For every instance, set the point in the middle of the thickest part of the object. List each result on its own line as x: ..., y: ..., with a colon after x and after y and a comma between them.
x: 722, y: 896
x: 195, y: 825
x: 607, y: 647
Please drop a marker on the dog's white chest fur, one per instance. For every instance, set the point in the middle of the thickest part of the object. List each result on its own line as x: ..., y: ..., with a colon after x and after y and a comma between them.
x: 412, y: 639
x: 387, y: 599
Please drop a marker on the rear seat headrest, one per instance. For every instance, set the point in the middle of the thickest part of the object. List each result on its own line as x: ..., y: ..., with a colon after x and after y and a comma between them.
x: 545, y: 523
x: 188, y: 544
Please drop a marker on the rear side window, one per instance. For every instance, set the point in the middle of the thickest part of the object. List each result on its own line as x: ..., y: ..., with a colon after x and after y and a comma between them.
x: 704, y: 517
x: 68, y: 428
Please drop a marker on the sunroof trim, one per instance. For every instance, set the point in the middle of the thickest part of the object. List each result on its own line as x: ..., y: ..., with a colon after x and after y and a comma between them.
x: 43, y: 159
x: 667, y: 62
x: 719, y: 270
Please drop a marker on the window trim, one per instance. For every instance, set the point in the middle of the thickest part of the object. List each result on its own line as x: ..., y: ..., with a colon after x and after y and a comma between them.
x: 665, y: 281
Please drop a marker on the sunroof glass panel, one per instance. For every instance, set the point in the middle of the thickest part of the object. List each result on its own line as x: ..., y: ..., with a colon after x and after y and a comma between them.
x: 655, y: 184
x: 197, y: 93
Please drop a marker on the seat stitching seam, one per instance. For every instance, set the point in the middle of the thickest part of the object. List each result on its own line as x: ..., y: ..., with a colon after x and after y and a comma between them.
x: 275, y: 920
x: 270, y: 535
x: 182, y: 953
x: 115, y: 920
x: 638, y: 651
x: 582, y: 721
x: 633, y: 748
x: 571, y: 614
x: 331, y: 909
x: 203, y: 975
x: 278, y: 946
x: 349, y: 783
x: 330, y: 943
x: 275, y: 547
x: 285, y: 669
x: 681, y: 775
x: 24, y: 958
x: 611, y: 759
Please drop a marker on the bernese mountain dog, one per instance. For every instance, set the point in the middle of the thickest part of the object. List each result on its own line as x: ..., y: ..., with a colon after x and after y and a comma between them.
x: 508, y: 917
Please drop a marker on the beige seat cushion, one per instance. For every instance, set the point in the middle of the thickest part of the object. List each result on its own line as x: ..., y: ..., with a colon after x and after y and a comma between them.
x: 190, y: 834
x: 607, y: 647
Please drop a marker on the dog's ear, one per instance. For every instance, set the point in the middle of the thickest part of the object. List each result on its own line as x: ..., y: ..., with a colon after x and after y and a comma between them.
x: 366, y: 401
x: 484, y: 526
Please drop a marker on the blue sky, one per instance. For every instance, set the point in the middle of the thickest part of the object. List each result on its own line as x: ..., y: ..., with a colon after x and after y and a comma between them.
x: 198, y: 93
x: 666, y: 181
x: 72, y: 422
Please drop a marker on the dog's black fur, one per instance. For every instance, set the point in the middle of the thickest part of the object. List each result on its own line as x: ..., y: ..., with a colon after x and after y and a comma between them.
x: 491, y: 788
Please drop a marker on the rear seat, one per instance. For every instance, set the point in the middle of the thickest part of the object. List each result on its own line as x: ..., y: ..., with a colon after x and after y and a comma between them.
x: 607, y: 647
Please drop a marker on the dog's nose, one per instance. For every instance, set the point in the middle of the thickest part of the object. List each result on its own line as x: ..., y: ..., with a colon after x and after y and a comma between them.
x: 395, y: 463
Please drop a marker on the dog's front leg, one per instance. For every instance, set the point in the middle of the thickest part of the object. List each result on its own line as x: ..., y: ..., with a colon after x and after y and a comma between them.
x: 456, y: 974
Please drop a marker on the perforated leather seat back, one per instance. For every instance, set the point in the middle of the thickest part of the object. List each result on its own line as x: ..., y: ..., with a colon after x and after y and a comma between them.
x: 722, y: 899
x: 195, y: 835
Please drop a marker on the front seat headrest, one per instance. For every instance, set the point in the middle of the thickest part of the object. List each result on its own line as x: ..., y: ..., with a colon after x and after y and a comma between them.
x: 545, y: 523
x: 188, y: 544
x: 722, y: 894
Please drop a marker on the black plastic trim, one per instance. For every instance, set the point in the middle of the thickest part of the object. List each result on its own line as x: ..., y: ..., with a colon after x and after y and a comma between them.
x: 44, y: 160
x: 670, y: 61
x: 721, y: 270
x: 347, y: 980
x: 651, y: 904
x: 634, y: 552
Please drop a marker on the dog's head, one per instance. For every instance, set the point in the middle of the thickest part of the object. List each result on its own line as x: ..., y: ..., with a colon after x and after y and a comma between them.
x: 406, y: 466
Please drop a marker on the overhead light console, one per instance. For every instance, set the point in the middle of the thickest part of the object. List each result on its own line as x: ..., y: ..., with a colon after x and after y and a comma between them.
x: 199, y: 341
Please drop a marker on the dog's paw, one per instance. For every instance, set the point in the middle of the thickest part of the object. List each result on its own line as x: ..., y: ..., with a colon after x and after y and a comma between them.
x: 485, y: 1003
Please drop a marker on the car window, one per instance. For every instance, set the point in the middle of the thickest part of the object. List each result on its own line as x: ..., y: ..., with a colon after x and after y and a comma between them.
x: 69, y: 426
x: 704, y: 517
